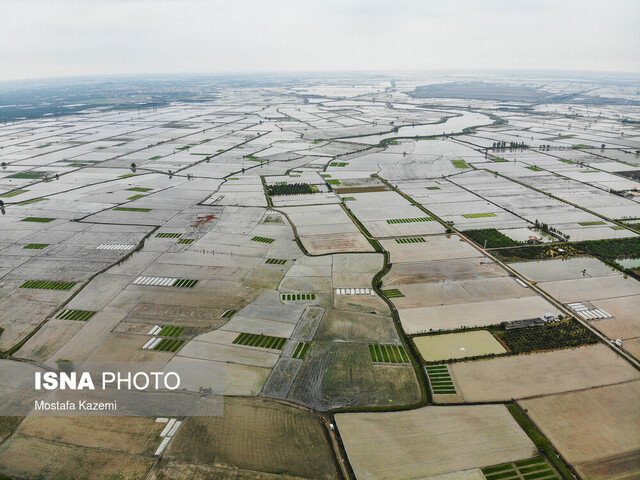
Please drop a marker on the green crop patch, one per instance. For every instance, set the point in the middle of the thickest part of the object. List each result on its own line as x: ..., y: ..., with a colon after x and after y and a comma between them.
x: 46, y: 285
x: 168, y: 345
x: 410, y: 240
x: 440, y: 380
x: 262, y: 341
x: 617, y: 227
x: 410, y: 220
x: 36, y: 246
x: 27, y: 175
x: 229, y: 313
x: 37, y: 219
x: 78, y: 315
x: 301, y: 350
x: 388, y: 354
x: 333, y: 182
x: 459, y: 164
x: 139, y: 189
x: 534, y: 169
x: 127, y: 175
x: 491, y: 236
x: 338, y: 164
x: 131, y: 209
x: 13, y: 194
x: 33, y: 200
x: 135, y: 197
x: 349, y: 199
x: 185, y: 283
x: 433, y: 188
x: 589, y: 224
x: 498, y: 159
x: 588, y: 171
x: 296, y: 297
x: 263, y: 239
x: 566, y: 161
x: 168, y: 235
x: 275, y: 261
x: 531, y: 469
x: 170, y: 331
x: 479, y: 215
x: 393, y: 293
x: 186, y: 241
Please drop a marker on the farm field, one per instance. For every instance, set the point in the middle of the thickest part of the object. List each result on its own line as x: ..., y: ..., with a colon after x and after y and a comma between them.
x: 543, y: 373
x: 607, y: 421
x: 428, y: 441
x: 255, y: 435
x: 480, y: 314
x: 434, y: 348
x: 90, y: 446
x: 343, y: 374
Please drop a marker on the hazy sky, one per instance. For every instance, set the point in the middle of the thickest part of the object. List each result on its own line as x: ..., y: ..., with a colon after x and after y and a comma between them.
x: 51, y: 38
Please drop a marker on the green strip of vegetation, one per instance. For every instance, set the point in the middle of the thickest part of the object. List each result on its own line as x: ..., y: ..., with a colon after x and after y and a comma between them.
x: 388, y: 354
x: 440, y: 380
x: 301, y: 350
x: 479, y: 215
x: 36, y: 246
x: 393, y: 293
x: 135, y: 197
x: 27, y: 175
x: 33, y: 200
x: 498, y: 159
x: 37, y: 219
x: 131, y: 209
x: 459, y: 164
x: 410, y: 220
x: 167, y: 345
x: 433, y: 188
x: 263, y: 239
x: 46, y: 285
x: 185, y: 283
x: 589, y: 224
x: 264, y: 341
x: 338, y: 164
x: 186, y: 241
x: 78, y: 315
x: 168, y: 235
x: 410, y: 240
x: 333, y: 182
x: 497, y: 468
x: 13, y: 194
x: 534, y: 169
x: 275, y: 261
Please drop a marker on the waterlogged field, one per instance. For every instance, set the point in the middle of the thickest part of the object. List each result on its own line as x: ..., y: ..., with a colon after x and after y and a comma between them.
x: 434, y: 348
x: 297, y: 247
x: 431, y: 441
